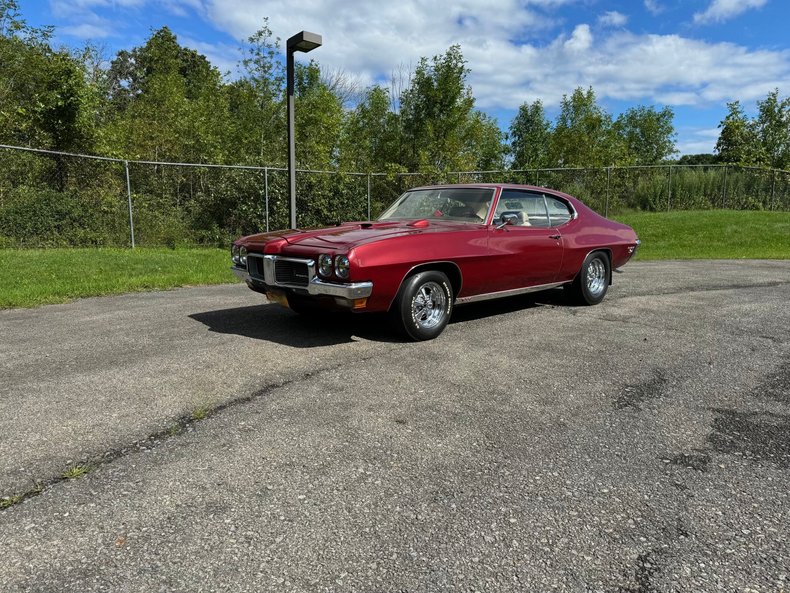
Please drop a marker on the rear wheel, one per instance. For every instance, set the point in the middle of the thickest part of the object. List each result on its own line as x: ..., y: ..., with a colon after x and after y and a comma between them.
x: 424, y: 305
x: 591, y: 283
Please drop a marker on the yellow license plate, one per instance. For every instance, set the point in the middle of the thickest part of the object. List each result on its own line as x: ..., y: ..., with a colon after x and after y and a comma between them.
x: 277, y: 297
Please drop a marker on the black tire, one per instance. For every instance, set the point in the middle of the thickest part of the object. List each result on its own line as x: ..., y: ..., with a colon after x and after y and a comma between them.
x: 423, y: 306
x: 592, y: 282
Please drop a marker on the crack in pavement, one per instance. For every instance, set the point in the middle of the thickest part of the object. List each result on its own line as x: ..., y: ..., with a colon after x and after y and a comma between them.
x: 637, y: 321
x: 182, y: 423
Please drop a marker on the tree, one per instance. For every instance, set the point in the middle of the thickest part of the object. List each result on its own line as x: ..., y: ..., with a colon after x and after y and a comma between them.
x: 435, y: 110
x: 371, y: 134
x: 648, y: 134
x: 583, y: 134
x: 698, y: 159
x: 484, y: 145
x: 319, y: 118
x: 169, y: 103
x: 773, y: 129
x: 530, y: 134
x: 45, y: 98
x: 42, y: 91
x: 256, y: 102
x: 738, y: 140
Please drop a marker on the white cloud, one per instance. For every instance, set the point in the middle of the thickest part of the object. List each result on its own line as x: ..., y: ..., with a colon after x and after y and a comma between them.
x: 722, y: 10
x: 697, y: 140
x: 508, y: 64
x: 88, y: 31
x: 86, y: 23
x: 653, y: 7
x: 580, y: 40
x: 613, y: 19
x: 667, y: 69
x: 517, y: 50
x: 225, y: 57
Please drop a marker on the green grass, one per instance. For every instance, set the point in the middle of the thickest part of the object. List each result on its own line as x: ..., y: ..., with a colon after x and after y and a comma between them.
x: 76, y: 472
x: 711, y: 234
x: 201, y: 413
x: 9, y: 501
x: 32, y: 277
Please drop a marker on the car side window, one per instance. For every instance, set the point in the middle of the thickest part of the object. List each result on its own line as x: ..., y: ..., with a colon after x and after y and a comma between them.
x: 511, y: 203
x: 529, y: 207
x: 559, y: 211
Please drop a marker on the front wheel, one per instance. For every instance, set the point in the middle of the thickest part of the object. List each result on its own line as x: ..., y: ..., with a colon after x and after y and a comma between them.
x: 591, y: 283
x: 424, y: 305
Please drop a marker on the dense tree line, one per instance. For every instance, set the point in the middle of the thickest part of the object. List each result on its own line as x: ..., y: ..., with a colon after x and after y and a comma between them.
x: 763, y: 140
x: 164, y: 102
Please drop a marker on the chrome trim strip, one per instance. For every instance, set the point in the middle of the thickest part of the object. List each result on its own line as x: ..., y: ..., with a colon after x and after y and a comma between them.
x: 354, y: 290
x: 315, y: 287
x: 506, y: 293
x: 268, y: 270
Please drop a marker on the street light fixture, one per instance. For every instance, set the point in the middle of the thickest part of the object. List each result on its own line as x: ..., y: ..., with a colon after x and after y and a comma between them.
x: 303, y: 41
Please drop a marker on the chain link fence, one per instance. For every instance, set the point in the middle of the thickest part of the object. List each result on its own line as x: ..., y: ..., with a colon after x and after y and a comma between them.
x: 53, y: 199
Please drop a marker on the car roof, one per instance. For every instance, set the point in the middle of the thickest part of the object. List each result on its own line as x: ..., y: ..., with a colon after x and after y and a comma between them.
x: 499, y: 185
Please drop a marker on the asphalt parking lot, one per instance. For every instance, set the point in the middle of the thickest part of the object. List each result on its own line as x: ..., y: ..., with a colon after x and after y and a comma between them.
x: 640, y: 445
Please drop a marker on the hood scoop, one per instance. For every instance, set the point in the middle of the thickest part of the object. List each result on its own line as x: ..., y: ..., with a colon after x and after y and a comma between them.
x: 419, y: 224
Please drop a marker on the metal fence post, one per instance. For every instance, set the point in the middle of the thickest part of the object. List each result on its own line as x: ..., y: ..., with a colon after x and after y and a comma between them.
x: 129, y: 200
x: 368, y: 196
x: 773, y: 188
x: 608, y: 184
x: 537, y: 177
x: 669, y: 192
x: 266, y: 194
x: 724, y: 196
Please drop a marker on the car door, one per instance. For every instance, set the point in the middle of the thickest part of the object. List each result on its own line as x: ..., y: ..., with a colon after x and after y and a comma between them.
x: 528, y: 252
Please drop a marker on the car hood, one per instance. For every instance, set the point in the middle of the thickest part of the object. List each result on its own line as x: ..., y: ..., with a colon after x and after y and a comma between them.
x: 351, y: 235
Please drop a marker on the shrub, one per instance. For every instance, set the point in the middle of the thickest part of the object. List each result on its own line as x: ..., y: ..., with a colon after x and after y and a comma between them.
x: 48, y: 218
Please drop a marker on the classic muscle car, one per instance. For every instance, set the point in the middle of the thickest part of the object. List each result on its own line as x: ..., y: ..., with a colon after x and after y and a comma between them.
x: 437, y: 247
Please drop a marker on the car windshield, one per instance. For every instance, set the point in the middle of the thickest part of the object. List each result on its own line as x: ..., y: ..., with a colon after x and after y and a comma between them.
x: 464, y: 204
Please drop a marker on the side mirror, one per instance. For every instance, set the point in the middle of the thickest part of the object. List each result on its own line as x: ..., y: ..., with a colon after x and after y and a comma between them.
x: 507, y: 219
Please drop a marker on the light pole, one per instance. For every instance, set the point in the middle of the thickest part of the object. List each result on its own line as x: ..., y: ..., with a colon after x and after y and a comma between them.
x: 303, y: 41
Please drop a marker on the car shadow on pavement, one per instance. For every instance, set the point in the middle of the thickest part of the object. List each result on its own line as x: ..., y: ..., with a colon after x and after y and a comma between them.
x: 278, y: 324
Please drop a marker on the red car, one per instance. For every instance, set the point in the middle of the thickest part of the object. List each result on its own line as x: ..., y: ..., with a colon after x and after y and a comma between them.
x: 437, y: 247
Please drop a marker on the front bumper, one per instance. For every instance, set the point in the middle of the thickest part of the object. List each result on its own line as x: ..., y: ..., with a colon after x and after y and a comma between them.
x: 314, y: 286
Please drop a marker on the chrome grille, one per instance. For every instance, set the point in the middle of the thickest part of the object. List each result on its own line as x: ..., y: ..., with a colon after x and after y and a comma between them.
x: 291, y: 272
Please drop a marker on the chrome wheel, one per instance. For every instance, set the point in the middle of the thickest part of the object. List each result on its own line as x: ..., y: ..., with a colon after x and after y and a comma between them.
x: 423, y: 306
x: 591, y: 283
x: 429, y: 305
x: 596, y: 277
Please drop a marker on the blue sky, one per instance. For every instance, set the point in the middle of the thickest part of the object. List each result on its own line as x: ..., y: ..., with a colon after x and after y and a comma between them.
x: 693, y: 55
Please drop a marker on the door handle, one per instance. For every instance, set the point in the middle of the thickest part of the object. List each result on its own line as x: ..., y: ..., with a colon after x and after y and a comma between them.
x: 557, y: 237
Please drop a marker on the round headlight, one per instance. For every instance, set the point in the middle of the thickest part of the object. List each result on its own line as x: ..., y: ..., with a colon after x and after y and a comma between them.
x: 234, y: 253
x: 341, y: 266
x: 325, y: 264
x: 243, y: 255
